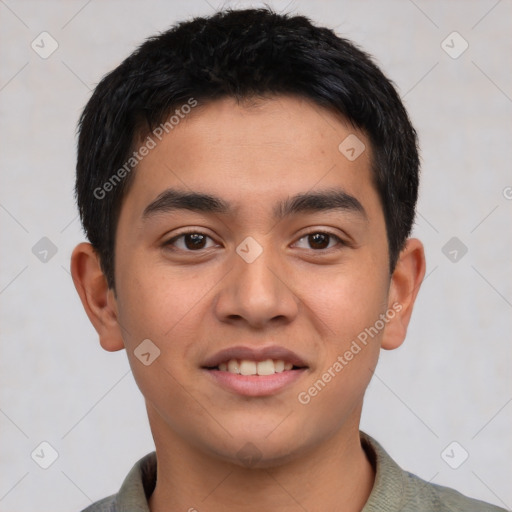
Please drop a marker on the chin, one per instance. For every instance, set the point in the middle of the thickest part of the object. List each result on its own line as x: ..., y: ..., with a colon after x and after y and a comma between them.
x: 258, y: 451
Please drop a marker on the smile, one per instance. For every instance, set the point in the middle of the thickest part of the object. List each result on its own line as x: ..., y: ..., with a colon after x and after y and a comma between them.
x: 250, y: 367
x: 254, y: 370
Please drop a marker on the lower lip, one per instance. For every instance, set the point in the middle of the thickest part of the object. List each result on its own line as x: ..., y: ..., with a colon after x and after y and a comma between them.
x: 256, y: 385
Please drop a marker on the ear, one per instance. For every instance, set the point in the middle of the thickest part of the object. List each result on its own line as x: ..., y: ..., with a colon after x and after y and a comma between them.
x: 97, y: 298
x: 404, y: 286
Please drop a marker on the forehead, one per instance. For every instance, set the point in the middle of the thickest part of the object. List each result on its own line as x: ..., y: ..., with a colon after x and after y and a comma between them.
x: 253, y: 153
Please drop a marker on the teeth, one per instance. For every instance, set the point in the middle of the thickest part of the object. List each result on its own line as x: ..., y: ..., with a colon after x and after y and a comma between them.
x: 266, y: 367
x: 248, y: 367
x: 233, y: 366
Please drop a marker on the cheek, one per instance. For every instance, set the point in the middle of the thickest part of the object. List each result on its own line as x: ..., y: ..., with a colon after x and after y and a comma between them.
x: 345, y: 306
x: 160, y: 305
x: 345, y: 300
x: 167, y: 305
x: 157, y: 297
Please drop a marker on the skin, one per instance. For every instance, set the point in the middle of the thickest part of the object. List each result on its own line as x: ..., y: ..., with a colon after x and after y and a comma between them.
x: 310, y: 300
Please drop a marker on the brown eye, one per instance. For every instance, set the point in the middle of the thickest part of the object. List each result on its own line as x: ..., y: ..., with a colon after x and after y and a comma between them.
x: 320, y: 240
x: 192, y: 241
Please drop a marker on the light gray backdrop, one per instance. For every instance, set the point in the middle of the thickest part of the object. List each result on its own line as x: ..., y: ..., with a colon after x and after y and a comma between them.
x: 450, y: 382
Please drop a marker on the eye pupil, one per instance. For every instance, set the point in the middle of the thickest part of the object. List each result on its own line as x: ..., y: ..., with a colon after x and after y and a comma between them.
x: 319, y: 240
x: 197, y: 240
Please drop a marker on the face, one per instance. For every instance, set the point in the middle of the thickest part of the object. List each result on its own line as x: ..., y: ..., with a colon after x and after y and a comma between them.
x: 251, y: 274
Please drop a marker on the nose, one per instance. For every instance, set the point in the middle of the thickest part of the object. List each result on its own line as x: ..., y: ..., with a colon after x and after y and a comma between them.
x: 256, y: 293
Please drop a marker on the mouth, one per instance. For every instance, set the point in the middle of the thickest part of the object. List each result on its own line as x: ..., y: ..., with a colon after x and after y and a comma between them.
x: 255, y: 372
x: 250, y: 367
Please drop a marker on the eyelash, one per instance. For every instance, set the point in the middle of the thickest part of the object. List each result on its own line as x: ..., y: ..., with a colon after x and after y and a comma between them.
x: 339, y: 241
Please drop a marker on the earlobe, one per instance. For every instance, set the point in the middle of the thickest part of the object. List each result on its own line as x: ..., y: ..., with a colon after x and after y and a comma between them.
x: 404, y: 287
x: 97, y: 299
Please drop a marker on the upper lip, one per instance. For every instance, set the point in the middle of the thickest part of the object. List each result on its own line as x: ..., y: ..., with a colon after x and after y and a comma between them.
x: 254, y: 354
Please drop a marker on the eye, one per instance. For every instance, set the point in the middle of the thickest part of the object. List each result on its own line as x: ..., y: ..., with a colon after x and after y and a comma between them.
x: 189, y: 241
x: 320, y: 240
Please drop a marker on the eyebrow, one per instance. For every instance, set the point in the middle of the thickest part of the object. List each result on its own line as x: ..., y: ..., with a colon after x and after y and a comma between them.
x: 308, y: 202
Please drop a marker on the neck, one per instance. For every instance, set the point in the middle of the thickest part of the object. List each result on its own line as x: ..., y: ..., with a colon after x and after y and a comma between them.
x: 335, y: 475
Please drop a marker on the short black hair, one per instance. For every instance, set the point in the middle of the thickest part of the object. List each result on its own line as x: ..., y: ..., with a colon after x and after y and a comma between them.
x: 242, y: 54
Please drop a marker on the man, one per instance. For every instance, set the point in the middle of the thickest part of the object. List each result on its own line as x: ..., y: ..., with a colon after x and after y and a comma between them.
x: 248, y: 183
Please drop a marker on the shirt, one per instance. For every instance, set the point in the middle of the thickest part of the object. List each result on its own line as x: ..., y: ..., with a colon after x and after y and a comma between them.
x: 394, y: 489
